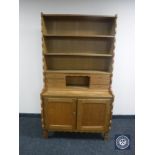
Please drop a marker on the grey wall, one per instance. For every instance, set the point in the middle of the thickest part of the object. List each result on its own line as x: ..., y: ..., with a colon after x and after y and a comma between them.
x: 31, y: 77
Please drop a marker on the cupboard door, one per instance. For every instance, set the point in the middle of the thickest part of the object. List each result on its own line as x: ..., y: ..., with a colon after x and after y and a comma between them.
x: 60, y: 113
x: 93, y: 114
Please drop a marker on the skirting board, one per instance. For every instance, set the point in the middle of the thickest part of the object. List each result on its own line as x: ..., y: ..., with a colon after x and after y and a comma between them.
x: 34, y: 115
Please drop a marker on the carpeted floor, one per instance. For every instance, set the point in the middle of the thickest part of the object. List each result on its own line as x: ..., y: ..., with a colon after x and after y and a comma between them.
x: 32, y: 142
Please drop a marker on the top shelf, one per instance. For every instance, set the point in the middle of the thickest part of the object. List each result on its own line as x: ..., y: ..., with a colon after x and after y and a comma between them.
x: 78, y: 15
x: 78, y: 25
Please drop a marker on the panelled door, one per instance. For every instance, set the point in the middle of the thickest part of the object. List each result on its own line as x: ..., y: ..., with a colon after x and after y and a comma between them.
x: 59, y: 113
x: 93, y: 114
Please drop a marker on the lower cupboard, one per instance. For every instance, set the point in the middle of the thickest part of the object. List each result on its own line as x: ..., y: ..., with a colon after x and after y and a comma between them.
x: 76, y: 114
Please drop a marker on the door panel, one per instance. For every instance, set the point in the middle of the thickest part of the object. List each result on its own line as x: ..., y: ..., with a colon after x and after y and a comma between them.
x: 93, y: 114
x: 60, y: 113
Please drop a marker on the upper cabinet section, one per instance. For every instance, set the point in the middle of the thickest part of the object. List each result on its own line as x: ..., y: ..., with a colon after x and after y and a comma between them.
x: 78, y: 25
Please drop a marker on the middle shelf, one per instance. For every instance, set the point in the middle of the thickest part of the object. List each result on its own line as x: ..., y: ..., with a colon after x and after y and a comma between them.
x: 65, y: 62
x: 78, y: 45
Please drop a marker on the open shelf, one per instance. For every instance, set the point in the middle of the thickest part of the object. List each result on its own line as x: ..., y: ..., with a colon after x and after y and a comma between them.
x: 78, y: 54
x: 78, y: 63
x: 78, y: 25
x: 78, y: 81
x: 78, y: 45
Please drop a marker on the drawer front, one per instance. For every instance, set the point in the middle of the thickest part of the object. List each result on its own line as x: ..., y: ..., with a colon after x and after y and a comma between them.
x: 99, y: 86
x: 54, y: 76
x: 100, y: 79
x: 55, y: 83
x: 54, y: 80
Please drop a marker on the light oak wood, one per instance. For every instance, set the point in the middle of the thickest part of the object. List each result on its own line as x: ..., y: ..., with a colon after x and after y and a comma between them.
x: 79, y: 36
x: 89, y: 80
x: 78, y: 53
x: 85, y: 63
x: 79, y: 24
x: 77, y: 92
x: 78, y: 71
x: 60, y: 113
x: 77, y: 16
x: 93, y: 114
x: 71, y: 44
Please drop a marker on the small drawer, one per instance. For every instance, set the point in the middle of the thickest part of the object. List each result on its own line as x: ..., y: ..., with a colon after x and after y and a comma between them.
x: 99, y: 86
x: 55, y: 83
x: 100, y: 79
x: 54, y: 76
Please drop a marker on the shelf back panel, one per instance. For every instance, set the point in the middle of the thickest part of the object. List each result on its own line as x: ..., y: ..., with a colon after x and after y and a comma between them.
x: 78, y: 63
x: 77, y: 25
x: 78, y: 45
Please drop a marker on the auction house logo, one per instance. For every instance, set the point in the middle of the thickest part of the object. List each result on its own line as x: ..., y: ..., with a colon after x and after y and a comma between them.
x: 122, y: 142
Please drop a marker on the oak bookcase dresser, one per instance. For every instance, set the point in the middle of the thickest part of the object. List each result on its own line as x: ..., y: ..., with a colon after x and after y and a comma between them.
x: 78, y: 53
